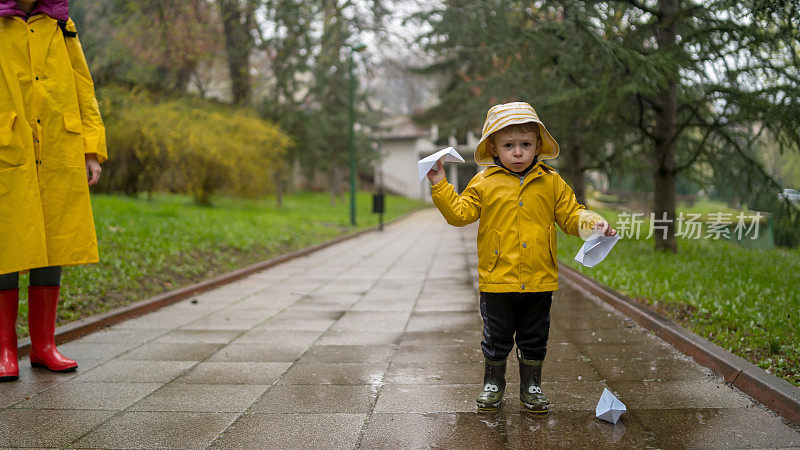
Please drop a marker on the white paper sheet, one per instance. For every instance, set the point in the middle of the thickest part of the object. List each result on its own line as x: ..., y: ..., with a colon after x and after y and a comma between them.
x: 609, y: 408
x: 427, y: 163
x: 595, y: 249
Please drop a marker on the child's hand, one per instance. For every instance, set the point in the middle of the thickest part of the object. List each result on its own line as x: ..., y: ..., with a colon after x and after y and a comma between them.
x: 605, y: 229
x: 436, y: 174
x: 92, y: 169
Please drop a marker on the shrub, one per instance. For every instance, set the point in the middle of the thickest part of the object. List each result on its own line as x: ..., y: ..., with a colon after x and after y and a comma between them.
x: 190, y: 146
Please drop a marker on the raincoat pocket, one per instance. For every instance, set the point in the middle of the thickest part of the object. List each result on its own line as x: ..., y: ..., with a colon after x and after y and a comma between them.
x: 494, y: 249
x: 72, y: 144
x: 7, y: 127
x: 73, y: 124
x: 10, y: 155
x: 551, y: 236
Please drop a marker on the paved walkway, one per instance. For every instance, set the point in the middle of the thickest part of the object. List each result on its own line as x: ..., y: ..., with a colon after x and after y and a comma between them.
x: 373, y: 342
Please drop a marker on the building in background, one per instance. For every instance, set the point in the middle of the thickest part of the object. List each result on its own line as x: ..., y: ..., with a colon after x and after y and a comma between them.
x: 403, y: 144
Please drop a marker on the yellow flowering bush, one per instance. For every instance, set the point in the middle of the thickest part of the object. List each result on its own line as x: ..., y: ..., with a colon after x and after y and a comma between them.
x: 191, y: 146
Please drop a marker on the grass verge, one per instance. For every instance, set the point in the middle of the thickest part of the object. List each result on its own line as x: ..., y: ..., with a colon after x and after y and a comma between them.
x: 744, y: 300
x: 152, y: 246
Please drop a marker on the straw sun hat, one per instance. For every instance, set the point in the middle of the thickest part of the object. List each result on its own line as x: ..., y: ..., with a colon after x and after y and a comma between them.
x: 501, y: 116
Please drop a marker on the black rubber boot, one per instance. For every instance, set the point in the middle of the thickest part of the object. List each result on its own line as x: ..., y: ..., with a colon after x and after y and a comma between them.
x: 494, y: 384
x: 530, y: 386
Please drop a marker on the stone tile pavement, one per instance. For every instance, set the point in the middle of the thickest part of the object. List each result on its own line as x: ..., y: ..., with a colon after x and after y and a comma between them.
x: 371, y: 343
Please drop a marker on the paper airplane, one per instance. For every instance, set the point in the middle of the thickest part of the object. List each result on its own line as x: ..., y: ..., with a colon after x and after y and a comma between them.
x: 595, y: 249
x: 429, y: 162
x: 609, y: 408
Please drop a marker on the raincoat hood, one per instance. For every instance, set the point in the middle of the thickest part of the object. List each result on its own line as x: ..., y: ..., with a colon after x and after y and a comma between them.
x: 501, y: 116
x: 57, y: 9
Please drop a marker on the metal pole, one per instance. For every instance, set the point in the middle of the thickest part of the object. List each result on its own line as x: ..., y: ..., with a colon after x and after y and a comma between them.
x: 352, y: 145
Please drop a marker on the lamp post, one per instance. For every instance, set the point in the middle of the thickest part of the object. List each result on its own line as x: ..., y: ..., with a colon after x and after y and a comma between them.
x: 358, y: 47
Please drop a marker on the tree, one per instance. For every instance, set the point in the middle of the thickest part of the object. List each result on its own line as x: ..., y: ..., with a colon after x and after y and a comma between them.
x: 174, y: 36
x: 307, y: 48
x: 549, y: 54
x: 730, y: 77
x: 238, y: 21
x: 159, y: 44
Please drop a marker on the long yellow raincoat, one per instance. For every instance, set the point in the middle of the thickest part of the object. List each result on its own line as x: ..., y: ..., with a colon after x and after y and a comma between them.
x: 49, y: 119
x: 516, y: 232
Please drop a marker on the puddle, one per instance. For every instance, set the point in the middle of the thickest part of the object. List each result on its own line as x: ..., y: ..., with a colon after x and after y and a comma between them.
x: 612, y: 433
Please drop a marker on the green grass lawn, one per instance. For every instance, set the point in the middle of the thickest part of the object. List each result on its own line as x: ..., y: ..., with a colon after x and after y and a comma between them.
x: 744, y: 300
x: 151, y: 246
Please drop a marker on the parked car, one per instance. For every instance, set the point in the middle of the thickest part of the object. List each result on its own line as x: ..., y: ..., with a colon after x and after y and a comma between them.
x: 791, y: 195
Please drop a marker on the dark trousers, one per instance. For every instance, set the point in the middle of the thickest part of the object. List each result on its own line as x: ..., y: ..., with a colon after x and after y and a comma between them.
x: 525, y: 313
x: 43, y: 276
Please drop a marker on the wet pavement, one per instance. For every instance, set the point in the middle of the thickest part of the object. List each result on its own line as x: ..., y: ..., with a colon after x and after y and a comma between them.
x: 371, y: 343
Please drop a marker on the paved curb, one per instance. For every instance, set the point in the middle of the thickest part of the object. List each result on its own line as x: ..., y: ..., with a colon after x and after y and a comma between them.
x: 773, y: 392
x: 82, y: 327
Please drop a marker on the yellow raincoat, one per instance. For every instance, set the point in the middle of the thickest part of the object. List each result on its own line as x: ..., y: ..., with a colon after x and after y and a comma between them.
x: 516, y: 233
x: 49, y: 119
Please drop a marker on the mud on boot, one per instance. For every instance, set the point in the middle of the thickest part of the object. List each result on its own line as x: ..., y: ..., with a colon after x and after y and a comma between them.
x: 530, y: 386
x: 494, y: 384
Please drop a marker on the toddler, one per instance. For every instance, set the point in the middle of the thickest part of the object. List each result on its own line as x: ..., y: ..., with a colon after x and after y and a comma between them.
x: 518, y: 201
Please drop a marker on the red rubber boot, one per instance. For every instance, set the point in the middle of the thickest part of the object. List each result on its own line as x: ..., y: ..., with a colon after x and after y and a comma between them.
x: 9, y: 303
x: 42, y: 303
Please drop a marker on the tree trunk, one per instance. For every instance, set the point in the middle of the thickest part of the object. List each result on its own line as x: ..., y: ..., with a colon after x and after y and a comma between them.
x: 576, y: 170
x: 665, y: 133
x: 237, y: 23
x: 182, y: 78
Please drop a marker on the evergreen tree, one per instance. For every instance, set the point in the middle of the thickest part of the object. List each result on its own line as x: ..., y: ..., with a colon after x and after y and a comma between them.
x: 729, y: 77
x: 551, y: 54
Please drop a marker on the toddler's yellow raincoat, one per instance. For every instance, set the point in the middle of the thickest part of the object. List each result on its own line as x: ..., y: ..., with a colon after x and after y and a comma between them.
x: 49, y: 119
x: 516, y: 233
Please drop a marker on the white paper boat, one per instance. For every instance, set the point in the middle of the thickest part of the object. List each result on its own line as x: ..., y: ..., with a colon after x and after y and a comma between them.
x: 595, y: 249
x: 427, y: 163
x: 609, y: 408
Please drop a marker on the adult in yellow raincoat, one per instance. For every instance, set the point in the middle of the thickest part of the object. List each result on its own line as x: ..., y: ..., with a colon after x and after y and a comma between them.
x: 52, y: 142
